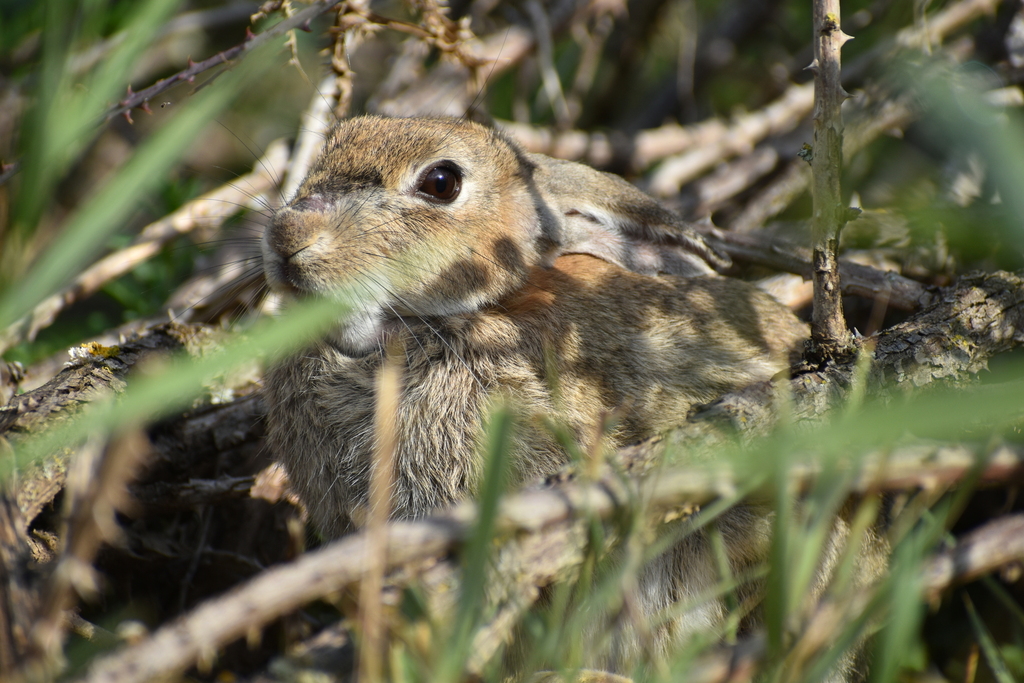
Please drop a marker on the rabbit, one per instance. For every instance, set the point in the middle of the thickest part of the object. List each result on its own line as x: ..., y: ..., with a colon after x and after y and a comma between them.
x: 500, y: 274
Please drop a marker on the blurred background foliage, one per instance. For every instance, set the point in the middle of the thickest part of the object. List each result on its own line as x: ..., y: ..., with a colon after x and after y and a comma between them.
x: 940, y: 189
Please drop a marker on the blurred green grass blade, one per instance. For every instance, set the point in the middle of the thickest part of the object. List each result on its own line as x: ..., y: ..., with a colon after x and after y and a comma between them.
x: 65, y: 115
x: 477, y: 552
x: 499, y: 432
x: 955, y: 101
x: 993, y: 657
x: 816, y: 521
x: 39, y: 168
x: 1004, y: 597
x: 860, y: 530
x: 899, y: 636
x: 174, y: 386
x: 777, y: 588
x: 86, y: 232
x: 938, y: 414
x: 725, y: 574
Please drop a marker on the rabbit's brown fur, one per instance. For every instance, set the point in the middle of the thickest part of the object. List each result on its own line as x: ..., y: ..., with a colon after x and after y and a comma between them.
x: 483, y: 311
x: 538, y: 272
x: 649, y: 347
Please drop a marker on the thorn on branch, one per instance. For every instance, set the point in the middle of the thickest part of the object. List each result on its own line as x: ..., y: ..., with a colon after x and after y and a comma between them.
x: 806, y: 152
x: 850, y: 213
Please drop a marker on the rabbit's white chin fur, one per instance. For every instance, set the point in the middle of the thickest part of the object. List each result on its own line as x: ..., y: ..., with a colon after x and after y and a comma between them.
x: 363, y: 332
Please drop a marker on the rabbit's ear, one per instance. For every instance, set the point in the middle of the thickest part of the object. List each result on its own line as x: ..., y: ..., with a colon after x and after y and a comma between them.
x: 603, y: 215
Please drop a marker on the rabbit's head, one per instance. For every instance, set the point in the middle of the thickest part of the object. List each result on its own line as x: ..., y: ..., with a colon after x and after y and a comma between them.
x: 438, y: 217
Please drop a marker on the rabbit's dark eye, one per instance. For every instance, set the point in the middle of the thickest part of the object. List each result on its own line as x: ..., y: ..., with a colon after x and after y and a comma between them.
x: 441, y: 183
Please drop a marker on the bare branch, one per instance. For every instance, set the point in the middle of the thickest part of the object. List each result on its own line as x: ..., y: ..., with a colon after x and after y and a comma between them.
x: 316, y: 120
x: 987, y: 548
x: 781, y: 116
x: 709, y: 193
x: 277, y: 591
x: 941, y: 24
x: 898, y: 291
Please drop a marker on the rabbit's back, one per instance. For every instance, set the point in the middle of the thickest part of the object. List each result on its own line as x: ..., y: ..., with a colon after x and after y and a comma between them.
x: 643, y: 349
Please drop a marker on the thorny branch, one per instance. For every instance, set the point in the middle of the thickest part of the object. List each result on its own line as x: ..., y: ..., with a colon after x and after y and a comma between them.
x: 141, y: 99
x: 830, y: 337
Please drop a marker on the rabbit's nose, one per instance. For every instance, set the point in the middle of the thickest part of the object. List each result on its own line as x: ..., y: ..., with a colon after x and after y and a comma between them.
x: 291, y: 232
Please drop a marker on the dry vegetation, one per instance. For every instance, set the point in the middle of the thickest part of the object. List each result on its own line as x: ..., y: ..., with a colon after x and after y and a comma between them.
x: 145, y: 532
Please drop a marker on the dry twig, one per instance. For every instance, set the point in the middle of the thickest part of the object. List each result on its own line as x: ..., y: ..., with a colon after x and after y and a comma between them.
x: 371, y: 646
x: 739, y: 137
x: 984, y: 550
